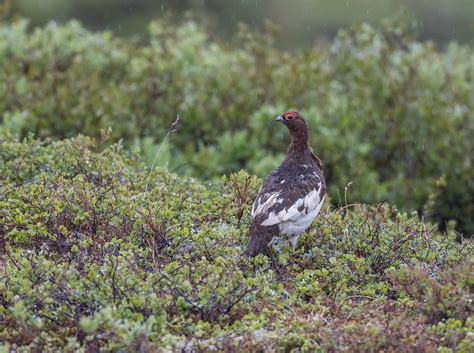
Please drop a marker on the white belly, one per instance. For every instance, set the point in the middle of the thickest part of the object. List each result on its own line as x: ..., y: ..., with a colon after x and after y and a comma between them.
x: 299, y: 223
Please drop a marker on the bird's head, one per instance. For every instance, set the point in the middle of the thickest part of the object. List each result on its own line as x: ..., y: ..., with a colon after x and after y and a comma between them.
x: 294, y: 121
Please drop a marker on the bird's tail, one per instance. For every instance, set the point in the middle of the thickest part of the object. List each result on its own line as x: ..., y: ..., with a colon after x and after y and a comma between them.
x: 260, y: 238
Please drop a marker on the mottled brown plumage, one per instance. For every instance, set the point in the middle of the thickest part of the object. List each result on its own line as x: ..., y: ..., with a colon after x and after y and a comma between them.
x: 292, y: 195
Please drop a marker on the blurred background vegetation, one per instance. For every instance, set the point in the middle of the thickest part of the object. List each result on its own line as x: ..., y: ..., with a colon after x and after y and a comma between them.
x: 304, y: 22
x: 390, y: 104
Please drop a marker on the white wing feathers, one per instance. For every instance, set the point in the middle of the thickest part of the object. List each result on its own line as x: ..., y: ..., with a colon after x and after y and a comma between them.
x: 263, y: 203
x: 302, y: 207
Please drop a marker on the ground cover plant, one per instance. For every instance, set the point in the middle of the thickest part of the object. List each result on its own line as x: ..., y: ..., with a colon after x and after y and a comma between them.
x: 390, y: 114
x: 98, y: 252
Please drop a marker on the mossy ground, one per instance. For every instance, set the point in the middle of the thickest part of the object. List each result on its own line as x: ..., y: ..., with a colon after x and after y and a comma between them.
x: 100, y: 253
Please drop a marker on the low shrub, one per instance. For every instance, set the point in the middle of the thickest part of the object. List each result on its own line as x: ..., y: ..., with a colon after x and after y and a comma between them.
x: 97, y: 252
x: 389, y: 113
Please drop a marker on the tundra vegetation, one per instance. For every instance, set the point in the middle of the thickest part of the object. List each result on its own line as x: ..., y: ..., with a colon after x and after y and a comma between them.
x: 98, y: 251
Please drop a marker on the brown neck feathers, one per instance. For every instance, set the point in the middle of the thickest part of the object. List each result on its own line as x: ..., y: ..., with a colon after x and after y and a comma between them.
x: 299, y: 139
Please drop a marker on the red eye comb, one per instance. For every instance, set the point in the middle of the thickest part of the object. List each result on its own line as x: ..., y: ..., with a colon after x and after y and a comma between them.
x: 290, y: 114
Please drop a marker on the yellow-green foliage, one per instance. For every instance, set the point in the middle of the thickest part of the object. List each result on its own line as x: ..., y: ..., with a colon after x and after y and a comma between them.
x: 99, y: 253
x: 391, y: 114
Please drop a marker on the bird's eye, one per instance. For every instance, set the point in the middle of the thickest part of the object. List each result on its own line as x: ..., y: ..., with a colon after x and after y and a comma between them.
x: 290, y: 117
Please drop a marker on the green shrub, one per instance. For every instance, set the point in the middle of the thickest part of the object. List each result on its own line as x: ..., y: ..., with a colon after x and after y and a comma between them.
x: 97, y: 252
x: 388, y: 113
x: 442, y: 295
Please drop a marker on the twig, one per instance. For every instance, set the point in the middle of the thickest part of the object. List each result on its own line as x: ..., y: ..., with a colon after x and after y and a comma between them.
x: 170, y: 130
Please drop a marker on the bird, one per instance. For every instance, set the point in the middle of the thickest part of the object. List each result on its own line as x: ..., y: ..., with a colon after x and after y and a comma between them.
x: 291, y: 196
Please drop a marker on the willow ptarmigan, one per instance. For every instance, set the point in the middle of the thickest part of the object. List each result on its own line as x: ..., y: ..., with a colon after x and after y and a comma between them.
x: 292, y: 195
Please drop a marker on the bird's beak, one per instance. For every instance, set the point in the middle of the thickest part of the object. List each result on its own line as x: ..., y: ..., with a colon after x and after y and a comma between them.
x: 279, y: 118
